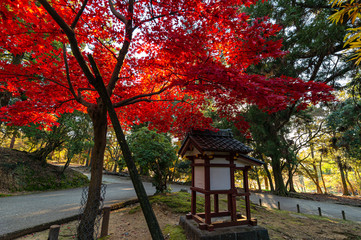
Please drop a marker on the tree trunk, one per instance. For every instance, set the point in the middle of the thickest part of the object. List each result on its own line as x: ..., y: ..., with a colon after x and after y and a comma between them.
x: 115, y: 167
x: 317, y: 181
x: 343, y: 179
x: 266, y: 185
x: 12, y: 142
x: 322, y: 178
x: 290, y: 177
x: 258, y: 181
x: 88, y: 162
x: 147, y: 209
x: 277, y: 174
x: 66, y: 165
x: 290, y: 181
x: 349, y: 183
x: 313, y: 177
x: 98, y: 116
x: 43, y: 153
x: 358, y: 177
x: 269, y: 176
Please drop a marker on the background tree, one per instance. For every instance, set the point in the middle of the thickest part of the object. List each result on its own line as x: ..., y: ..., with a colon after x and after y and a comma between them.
x: 314, y: 46
x: 159, y: 63
x: 71, y: 133
x: 114, y: 152
x: 153, y: 153
x: 348, y: 11
x: 344, y: 124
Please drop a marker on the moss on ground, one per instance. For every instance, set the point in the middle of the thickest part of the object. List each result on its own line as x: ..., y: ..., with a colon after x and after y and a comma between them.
x: 19, y: 171
x: 174, y: 232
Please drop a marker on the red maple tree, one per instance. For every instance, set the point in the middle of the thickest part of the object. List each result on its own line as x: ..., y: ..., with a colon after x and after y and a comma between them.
x: 161, y: 62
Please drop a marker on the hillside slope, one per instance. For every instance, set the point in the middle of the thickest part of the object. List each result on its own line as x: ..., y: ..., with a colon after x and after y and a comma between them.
x: 20, y: 171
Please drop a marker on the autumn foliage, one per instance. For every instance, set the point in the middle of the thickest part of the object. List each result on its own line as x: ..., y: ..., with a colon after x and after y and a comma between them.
x: 160, y: 60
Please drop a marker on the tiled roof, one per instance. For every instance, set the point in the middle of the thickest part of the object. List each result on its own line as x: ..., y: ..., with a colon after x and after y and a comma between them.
x: 220, y: 141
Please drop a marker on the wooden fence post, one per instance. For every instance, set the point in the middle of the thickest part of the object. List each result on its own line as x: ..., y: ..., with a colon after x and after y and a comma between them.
x: 298, y: 208
x: 105, y: 222
x: 343, y: 215
x: 54, y: 232
x: 319, y: 212
x: 260, y: 202
x: 279, y: 205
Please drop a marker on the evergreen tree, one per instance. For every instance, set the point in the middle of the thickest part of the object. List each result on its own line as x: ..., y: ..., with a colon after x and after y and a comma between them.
x: 314, y: 48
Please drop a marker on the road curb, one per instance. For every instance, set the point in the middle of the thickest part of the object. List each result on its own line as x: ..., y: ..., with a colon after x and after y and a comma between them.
x: 45, y: 226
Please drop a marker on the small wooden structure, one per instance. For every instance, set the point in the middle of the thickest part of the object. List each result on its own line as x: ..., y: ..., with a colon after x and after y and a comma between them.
x: 215, y: 156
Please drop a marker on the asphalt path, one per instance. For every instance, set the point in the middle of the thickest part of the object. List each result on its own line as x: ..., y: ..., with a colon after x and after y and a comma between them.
x: 26, y: 211
x: 331, y: 210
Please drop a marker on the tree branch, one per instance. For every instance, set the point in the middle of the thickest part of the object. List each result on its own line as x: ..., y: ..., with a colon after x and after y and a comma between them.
x: 123, y: 52
x: 71, y: 37
x: 116, y: 13
x: 317, y: 68
x: 78, y: 98
x: 107, y: 48
x: 77, y: 17
x: 156, y: 17
x: 338, y: 74
x: 137, y: 98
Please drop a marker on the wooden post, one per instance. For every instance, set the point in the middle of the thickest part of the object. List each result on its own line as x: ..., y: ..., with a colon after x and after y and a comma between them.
x: 279, y: 205
x: 246, y: 190
x: 260, y: 202
x: 319, y: 212
x: 233, y: 187
x: 207, y: 186
x: 194, y: 203
x: 105, y: 222
x: 54, y: 232
x: 216, y: 203
x: 298, y: 208
x: 194, y: 194
x: 229, y: 201
x: 207, y: 208
x: 343, y: 215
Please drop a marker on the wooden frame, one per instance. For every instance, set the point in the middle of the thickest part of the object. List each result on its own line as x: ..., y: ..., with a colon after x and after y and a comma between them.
x: 205, y: 219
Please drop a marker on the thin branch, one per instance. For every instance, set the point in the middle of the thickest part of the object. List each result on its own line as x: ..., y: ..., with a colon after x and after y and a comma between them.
x: 84, y: 89
x: 313, y: 6
x: 151, y: 100
x: 156, y: 17
x: 25, y: 75
x: 338, y: 74
x: 133, y: 99
x: 317, y: 68
x: 78, y: 98
x: 107, y: 48
x: 71, y: 37
x: 63, y: 102
x: 77, y: 17
x: 97, y: 39
x: 71, y: 88
x: 117, y: 14
x: 123, y: 52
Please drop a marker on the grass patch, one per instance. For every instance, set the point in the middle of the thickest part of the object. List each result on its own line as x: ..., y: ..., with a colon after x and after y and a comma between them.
x: 179, y: 202
x: 174, y: 232
x: 5, y: 195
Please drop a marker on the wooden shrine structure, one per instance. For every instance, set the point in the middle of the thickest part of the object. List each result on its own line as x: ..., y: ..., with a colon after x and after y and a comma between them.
x: 215, y: 156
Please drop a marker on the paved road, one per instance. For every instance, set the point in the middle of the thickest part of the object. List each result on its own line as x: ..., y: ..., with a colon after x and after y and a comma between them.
x: 21, y: 212
x: 308, y: 206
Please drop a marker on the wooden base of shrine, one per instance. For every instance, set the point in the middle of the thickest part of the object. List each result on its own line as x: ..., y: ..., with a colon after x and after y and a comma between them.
x: 240, y: 231
x: 218, y: 222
